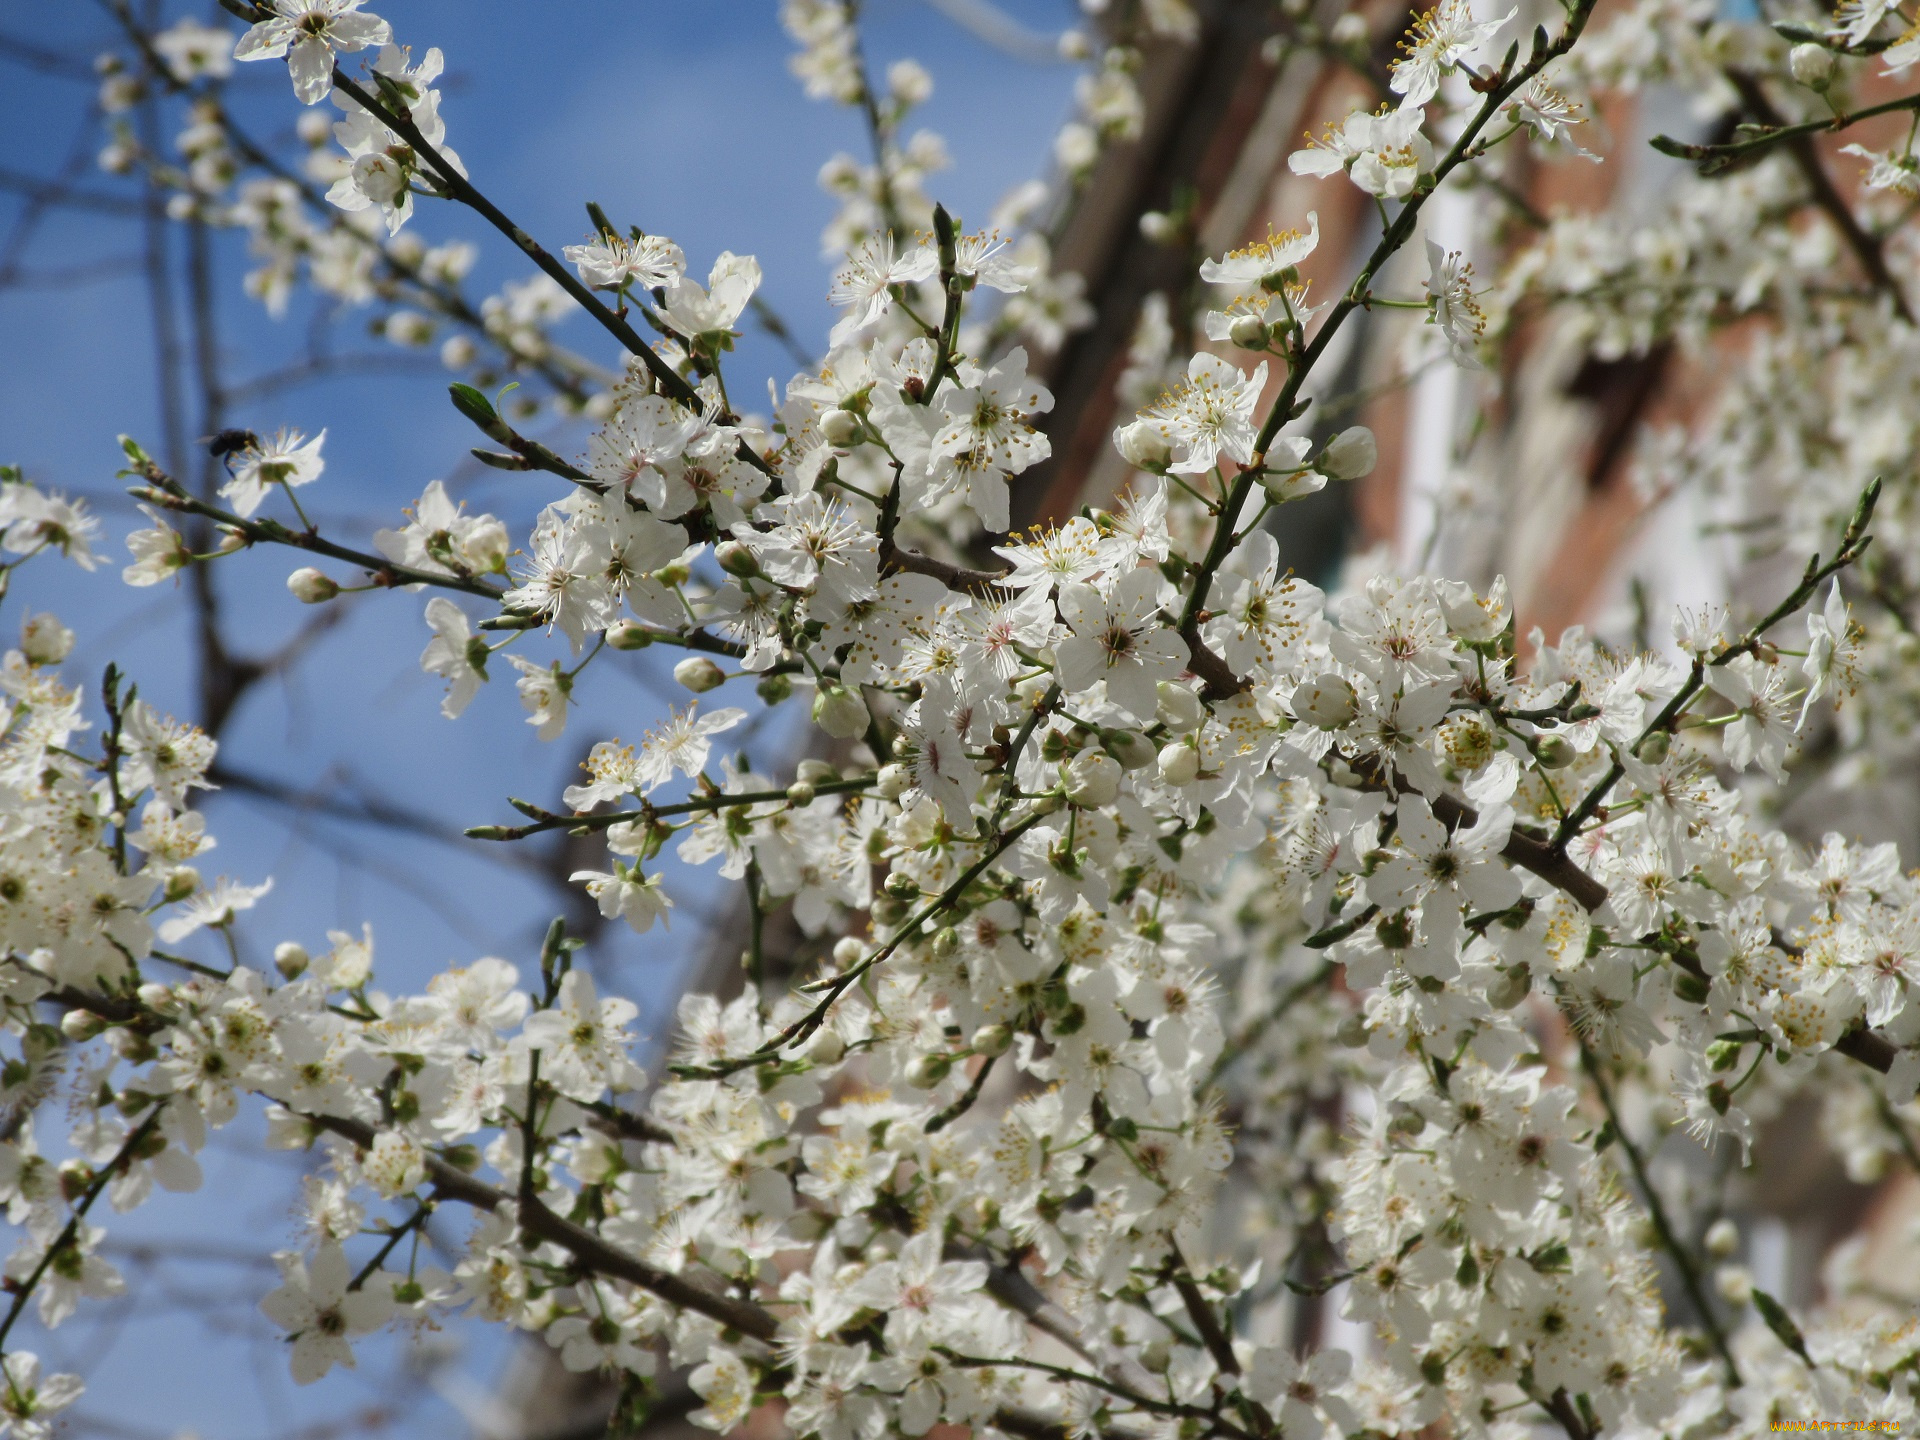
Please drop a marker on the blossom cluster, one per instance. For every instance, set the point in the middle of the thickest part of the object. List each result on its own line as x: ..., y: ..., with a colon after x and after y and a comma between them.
x: 1123, y: 870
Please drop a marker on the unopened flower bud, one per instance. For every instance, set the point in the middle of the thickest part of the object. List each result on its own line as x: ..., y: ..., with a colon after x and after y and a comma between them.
x: 627, y: 635
x: 772, y: 689
x: 1735, y: 1284
x: 1093, y: 779
x: 826, y: 1047
x: 1655, y: 747
x: 81, y: 1026
x: 840, y: 428
x: 1349, y: 30
x: 1327, y: 701
x: 1159, y: 227
x: 893, y: 782
x: 44, y: 640
x: 1143, y: 445
x: 75, y: 1178
x: 673, y: 575
x: 1178, y: 708
x: 1395, y: 931
x: 800, y: 794
x: 1723, y: 1239
x: 903, y: 887
x: 1132, y: 749
x: 945, y: 941
x: 311, y: 587
x: 1179, y: 764
x: 1811, y: 65
x: 1512, y: 984
x: 291, y: 959
x: 1350, y: 455
x: 1723, y: 1055
x: 736, y: 558
x: 1249, y: 332
x: 839, y: 711
x: 699, y: 674
x: 133, y: 1047
x: 929, y: 1070
x: 1555, y: 752
x: 182, y: 882
x: 992, y: 1040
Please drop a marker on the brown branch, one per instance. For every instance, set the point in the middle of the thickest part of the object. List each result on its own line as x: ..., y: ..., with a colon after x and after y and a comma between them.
x: 586, y: 1247
x: 954, y: 577
x: 1866, y: 248
x: 1206, y: 1322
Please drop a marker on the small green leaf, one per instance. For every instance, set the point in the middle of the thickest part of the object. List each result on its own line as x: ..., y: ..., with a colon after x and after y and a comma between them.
x: 1781, y: 1323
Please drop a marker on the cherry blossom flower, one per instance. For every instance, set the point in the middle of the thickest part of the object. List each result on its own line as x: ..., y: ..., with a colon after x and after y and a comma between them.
x: 308, y: 33
x: 321, y: 1313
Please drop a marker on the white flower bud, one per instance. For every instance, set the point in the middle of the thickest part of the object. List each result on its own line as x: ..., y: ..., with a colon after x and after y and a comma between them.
x: 1179, y: 764
x: 839, y: 711
x: 673, y: 575
x: 826, y: 1047
x: 1656, y: 747
x: 1179, y: 708
x: 1812, y: 65
x: 1327, y: 701
x: 894, y: 781
x: 1076, y: 146
x: 1249, y: 332
x: 1074, y: 45
x: 1735, y: 1284
x: 1143, y: 445
x: 1093, y: 779
x: 817, y: 772
x: 314, y: 127
x: 909, y: 82
x: 1132, y: 749
x: 736, y: 558
x: 840, y: 428
x: 1723, y: 1239
x: 81, y: 1026
x: 1350, y: 455
x: 290, y: 959
x: 310, y: 587
x: 848, y: 951
x: 992, y: 1040
x: 929, y: 1070
x: 44, y: 640
x: 182, y: 882
x: 1511, y: 985
x: 1555, y: 752
x: 800, y: 794
x: 457, y: 352
x: 699, y: 674
x: 1159, y: 227
x: 627, y: 635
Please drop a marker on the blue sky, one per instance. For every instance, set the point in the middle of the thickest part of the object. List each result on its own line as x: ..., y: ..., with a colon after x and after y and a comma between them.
x: 678, y: 115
